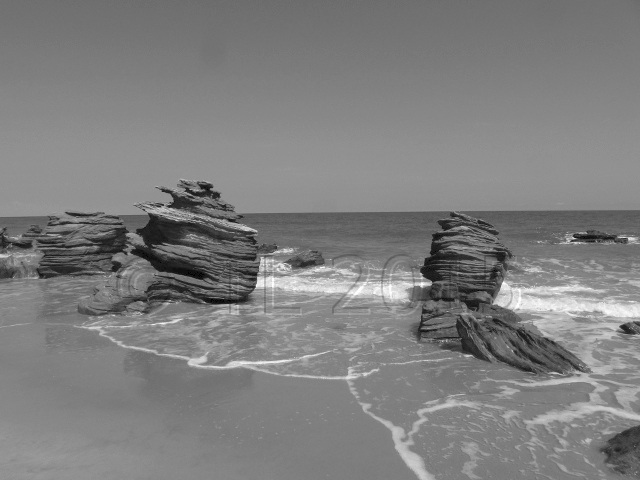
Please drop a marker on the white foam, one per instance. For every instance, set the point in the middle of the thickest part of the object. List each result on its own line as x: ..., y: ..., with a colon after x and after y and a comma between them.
x: 579, y: 410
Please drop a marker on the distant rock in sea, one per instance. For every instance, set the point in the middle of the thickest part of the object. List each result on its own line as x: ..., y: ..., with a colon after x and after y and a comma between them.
x: 266, y: 249
x: 496, y: 340
x: 191, y: 250
x: 80, y: 243
x: 310, y: 258
x: 623, y: 451
x: 596, y: 236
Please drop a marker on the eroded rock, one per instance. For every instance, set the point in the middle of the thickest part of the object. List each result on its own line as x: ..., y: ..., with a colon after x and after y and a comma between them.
x: 192, y: 250
x: 496, y: 340
x: 80, y: 243
x: 466, y: 256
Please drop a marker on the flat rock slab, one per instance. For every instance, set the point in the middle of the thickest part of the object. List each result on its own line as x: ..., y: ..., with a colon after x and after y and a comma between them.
x: 495, y: 340
x: 623, y: 452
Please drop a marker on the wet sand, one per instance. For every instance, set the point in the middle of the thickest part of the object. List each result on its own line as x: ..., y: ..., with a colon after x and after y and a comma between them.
x: 73, y: 405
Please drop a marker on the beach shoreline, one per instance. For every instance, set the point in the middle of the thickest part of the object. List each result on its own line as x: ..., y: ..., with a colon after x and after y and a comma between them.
x: 75, y: 405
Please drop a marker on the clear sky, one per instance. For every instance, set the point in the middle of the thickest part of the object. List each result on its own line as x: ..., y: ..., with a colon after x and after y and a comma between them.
x: 319, y: 105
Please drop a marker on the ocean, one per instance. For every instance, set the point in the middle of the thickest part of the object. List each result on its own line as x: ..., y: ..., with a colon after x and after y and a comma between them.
x: 346, y: 330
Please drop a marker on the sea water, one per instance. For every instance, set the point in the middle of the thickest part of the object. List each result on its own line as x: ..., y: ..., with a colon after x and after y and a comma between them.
x: 354, y: 321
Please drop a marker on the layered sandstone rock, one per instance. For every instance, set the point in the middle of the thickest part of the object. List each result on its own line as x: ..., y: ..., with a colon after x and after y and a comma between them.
x: 467, y: 256
x: 439, y: 318
x: 80, y: 243
x: 467, y: 266
x: 192, y: 250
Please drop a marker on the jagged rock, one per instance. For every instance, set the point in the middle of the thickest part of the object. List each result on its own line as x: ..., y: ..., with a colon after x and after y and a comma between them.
x: 623, y: 451
x: 632, y: 328
x: 265, y: 249
x: 468, y: 255
x: 191, y: 250
x: 80, y: 243
x: 496, y: 340
x: 596, y: 236
x: 309, y: 258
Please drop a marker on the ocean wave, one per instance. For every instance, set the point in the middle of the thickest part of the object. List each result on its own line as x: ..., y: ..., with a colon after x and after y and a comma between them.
x: 557, y: 299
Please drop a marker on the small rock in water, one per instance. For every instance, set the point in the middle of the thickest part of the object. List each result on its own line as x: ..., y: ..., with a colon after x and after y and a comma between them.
x: 623, y: 451
x: 310, y: 258
x: 496, y: 340
x: 632, y: 328
x: 265, y: 249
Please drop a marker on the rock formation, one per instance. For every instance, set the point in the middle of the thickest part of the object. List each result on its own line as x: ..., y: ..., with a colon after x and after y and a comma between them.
x: 310, y: 258
x: 192, y: 250
x: 467, y: 266
x: 632, y: 328
x: 80, y: 243
x: 496, y: 340
x: 596, y: 236
x: 467, y: 256
x: 265, y: 249
x: 623, y: 451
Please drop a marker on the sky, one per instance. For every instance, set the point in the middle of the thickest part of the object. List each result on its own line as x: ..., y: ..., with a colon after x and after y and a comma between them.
x: 314, y: 106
